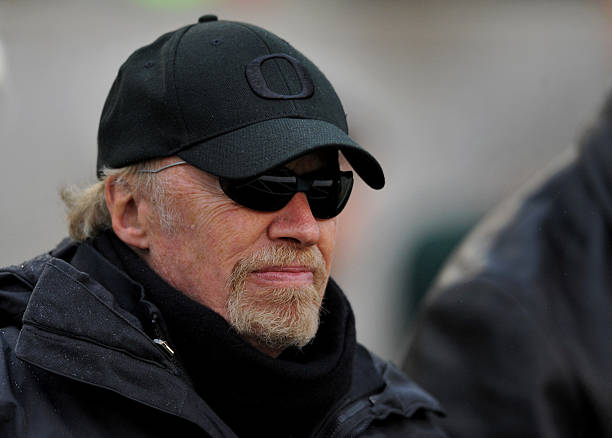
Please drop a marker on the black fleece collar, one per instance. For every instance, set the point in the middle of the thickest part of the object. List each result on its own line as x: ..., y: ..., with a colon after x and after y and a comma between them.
x: 253, y: 393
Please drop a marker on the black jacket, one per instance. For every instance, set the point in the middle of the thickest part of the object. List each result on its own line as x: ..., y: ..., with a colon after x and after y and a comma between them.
x: 516, y: 339
x: 81, y: 359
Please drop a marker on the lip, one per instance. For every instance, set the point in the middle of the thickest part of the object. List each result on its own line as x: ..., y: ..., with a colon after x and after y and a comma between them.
x: 283, y: 275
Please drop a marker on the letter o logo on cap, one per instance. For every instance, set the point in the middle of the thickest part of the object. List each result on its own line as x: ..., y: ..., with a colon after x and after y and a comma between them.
x: 260, y: 87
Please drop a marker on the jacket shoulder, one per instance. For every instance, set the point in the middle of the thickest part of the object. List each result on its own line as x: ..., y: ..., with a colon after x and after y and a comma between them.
x: 399, y: 407
x: 18, y: 281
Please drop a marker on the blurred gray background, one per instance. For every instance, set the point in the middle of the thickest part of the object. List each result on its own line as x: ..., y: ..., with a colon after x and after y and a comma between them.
x: 460, y: 100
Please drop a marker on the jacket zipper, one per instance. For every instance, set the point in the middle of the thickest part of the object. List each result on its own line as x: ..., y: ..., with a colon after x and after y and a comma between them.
x: 345, y: 421
x: 158, y: 339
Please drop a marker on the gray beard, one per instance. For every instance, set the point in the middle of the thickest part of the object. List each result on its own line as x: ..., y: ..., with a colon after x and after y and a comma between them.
x: 277, y: 318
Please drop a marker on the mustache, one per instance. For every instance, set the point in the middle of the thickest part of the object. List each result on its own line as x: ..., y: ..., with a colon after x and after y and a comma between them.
x: 285, y: 255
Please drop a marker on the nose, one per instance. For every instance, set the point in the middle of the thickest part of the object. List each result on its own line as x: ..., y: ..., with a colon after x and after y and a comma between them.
x: 295, y: 223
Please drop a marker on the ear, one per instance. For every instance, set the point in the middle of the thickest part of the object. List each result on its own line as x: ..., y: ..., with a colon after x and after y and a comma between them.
x: 128, y: 215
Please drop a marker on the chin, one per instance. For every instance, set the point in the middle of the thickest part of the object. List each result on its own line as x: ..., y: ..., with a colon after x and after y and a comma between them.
x: 278, y: 318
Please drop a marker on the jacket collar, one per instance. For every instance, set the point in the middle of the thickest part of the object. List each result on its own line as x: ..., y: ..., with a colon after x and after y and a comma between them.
x: 75, y: 327
x: 379, y: 391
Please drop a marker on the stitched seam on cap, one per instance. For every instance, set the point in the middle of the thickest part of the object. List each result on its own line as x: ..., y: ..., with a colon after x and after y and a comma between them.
x: 181, y: 116
x: 275, y: 62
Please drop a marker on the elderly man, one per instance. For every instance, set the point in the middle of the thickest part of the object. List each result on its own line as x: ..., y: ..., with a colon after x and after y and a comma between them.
x: 194, y: 297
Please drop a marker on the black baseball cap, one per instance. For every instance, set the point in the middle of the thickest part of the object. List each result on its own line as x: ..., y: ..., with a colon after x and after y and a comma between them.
x: 229, y: 98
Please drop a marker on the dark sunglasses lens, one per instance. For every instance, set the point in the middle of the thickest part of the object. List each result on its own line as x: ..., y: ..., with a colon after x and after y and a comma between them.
x: 328, y: 197
x: 266, y: 193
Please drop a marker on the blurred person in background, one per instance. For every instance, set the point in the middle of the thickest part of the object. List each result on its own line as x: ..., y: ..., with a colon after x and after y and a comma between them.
x: 194, y: 297
x: 514, y: 338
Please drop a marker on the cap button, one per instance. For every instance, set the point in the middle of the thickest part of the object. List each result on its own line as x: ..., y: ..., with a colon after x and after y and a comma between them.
x: 206, y: 18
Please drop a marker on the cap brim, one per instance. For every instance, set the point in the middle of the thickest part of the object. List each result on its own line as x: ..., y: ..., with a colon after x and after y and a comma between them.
x: 256, y: 148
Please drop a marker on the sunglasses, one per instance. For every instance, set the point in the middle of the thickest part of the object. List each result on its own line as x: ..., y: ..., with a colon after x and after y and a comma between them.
x: 327, y: 191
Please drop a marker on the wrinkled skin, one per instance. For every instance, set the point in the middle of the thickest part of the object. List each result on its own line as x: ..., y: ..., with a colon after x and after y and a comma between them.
x: 214, y: 233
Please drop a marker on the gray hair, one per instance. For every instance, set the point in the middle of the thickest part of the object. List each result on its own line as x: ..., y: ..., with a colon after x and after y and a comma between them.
x: 86, y: 210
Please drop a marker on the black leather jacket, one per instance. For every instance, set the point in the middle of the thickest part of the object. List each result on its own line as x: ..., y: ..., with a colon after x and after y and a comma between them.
x: 516, y: 338
x: 84, y: 359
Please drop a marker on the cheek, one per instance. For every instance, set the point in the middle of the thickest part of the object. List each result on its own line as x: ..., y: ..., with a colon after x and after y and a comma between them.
x: 327, y: 240
x: 226, y: 233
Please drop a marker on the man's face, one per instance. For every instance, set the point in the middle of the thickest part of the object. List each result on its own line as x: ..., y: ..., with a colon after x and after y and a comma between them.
x: 264, y: 272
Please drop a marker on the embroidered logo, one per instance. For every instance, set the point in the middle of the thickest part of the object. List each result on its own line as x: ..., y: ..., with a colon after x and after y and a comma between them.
x: 258, y: 83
